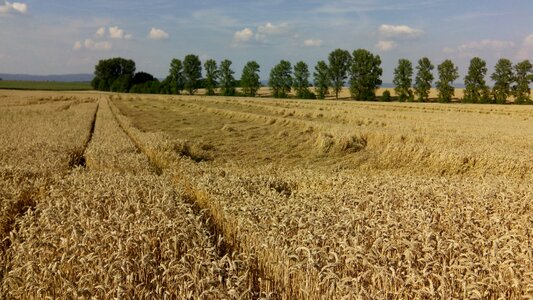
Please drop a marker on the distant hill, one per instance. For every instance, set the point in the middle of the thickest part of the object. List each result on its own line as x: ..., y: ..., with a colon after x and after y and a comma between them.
x: 58, y: 78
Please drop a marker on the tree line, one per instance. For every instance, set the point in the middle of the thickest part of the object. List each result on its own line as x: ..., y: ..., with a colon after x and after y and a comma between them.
x: 508, y: 80
x: 361, y: 70
x: 119, y: 75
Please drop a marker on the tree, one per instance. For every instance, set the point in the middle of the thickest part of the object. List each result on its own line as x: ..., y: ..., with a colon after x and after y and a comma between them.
x: 227, y: 81
x: 177, y: 79
x: 448, y: 73
x: 147, y: 87
x: 142, y: 77
x: 403, y: 75
x: 523, y: 77
x: 365, y: 75
x: 300, y: 82
x: 192, y: 72
x: 250, y: 79
x: 109, y: 70
x: 143, y: 82
x: 386, y: 96
x: 122, y: 84
x: 211, y: 76
x: 424, y: 78
x: 476, y: 90
x: 165, y: 86
x: 339, y: 63
x: 322, y: 81
x: 503, y: 78
x: 281, y: 79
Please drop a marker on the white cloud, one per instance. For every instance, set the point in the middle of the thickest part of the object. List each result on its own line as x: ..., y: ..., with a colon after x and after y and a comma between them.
x: 157, y: 34
x: 116, y: 33
x: 247, y: 35
x: 526, y: 49
x: 92, y: 45
x: 20, y: 7
x: 386, y: 45
x: 399, y: 31
x: 15, y: 7
x: 77, y: 45
x: 244, y: 35
x: 89, y: 44
x: 102, y: 46
x: 271, y: 29
x: 100, y: 32
x: 313, y: 43
x: 99, y: 42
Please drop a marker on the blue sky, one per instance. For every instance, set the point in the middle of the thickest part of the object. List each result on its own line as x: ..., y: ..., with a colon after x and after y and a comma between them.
x: 59, y: 37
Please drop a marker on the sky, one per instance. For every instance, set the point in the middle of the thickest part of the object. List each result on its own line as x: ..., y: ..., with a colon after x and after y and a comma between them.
x: 62, y: 37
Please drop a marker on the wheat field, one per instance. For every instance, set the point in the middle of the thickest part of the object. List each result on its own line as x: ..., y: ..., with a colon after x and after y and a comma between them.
x: 194, y: 197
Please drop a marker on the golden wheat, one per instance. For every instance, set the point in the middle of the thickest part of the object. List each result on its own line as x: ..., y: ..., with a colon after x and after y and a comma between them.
x: 118, y: 230
x: 390, y: 234
x: 216, y: 198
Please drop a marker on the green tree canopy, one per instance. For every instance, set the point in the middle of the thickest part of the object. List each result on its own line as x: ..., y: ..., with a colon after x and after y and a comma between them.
x: 227, y: 81
x: 339, y: 63
x: 448, y: 73
x: 523, y: 77
x: 250, y: 79
x: 142, y: 77
x: 424, y: 78
x: 281, y: 79
x: 122, y: 84
x: 145, y: 83
x: 211, y: 76
x: 322, y: 81
x: 192, y: 72
x: 109, y: 70
x: 300, y: 82
x: 365, y: 75
x: 403, y: 78
x: 503, y: 78
x: 165, y: 86
x: 177, y: 79
x: 148, y: 87
x: 476, y: 90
